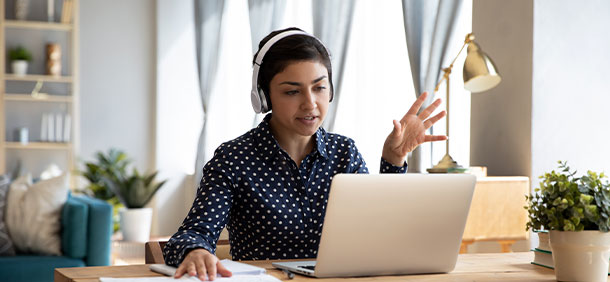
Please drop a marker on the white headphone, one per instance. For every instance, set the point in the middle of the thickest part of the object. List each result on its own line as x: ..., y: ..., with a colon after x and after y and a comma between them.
x: 257, y: 95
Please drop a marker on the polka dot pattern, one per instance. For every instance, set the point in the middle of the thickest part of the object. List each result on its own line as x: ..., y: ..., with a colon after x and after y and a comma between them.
x: 272, y: 208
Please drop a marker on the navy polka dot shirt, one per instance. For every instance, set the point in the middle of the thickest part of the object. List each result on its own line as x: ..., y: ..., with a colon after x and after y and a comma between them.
x: 272, y: 208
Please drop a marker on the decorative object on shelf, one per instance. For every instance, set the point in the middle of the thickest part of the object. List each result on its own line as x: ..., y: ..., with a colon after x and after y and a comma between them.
x: 56, y: 127
x: 50, y: 10
x: 66, y: 11
x: 22, y: 8
x: 36, y: 91
x: 24, y: 134
x: 53, y: 59
x: 110, y: 181
x: 576, y: 210
x: 480, y: 74
x: 19, y: 60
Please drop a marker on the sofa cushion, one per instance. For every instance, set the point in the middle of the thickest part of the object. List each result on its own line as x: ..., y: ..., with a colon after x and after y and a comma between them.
x: 6, y: 244
x: 74, y: 224
x: 33, y: 214
x: 34, y: 268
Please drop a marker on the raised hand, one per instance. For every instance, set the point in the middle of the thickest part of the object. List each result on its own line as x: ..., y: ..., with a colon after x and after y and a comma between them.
x: 410, y: 132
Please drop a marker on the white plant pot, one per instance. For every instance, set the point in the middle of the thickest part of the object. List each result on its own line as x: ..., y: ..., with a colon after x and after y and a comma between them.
x: 580, y: 255
x: 20, y: 67
x: 135, y: 224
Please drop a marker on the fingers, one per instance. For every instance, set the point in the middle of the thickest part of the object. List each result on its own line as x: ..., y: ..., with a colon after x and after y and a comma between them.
x: 428, y: 123
x: 180, y: 271
x: 415, y: 107
x: 397, y: 128
x: 201, y: 270
x: 430, y: 109
x: 432, y: 138
x: 210, y: 264
x: 224, y: 272
x: 192, y: 269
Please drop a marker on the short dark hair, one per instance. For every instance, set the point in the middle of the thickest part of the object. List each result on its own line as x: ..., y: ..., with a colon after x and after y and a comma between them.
x: 288, y: 50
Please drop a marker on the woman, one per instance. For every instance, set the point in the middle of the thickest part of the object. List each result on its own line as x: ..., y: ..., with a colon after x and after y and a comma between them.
x: 270, y: 185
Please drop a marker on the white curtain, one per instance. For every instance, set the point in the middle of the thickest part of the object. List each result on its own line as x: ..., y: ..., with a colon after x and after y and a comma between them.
x: 208, y: 18
x: 265, y: 17
x: 428, y: 27
x: 332, y: 22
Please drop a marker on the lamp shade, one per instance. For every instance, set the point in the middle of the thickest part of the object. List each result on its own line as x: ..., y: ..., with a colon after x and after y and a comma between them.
x: 480, y: 73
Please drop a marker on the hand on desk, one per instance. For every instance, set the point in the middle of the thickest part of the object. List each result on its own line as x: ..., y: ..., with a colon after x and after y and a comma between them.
x: 200, y: 262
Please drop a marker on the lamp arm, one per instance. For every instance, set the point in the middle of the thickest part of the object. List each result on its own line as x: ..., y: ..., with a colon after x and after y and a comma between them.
x: 469, y: 38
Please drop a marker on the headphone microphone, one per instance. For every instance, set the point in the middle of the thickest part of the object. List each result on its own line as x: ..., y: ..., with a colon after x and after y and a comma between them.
x: 257, y: 95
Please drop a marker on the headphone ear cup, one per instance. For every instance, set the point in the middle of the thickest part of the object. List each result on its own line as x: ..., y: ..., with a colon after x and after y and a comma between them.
x: 256, y: 101
x: 264, y: 103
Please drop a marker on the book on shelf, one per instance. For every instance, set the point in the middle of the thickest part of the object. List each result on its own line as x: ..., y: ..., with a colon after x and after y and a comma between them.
x: 66, y: 11
x: 543, y: 256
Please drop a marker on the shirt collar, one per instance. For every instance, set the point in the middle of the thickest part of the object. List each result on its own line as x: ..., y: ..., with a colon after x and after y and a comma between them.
x: 263, y: 131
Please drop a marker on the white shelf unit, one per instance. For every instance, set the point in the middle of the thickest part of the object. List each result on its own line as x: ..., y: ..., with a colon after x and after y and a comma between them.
x: 17, y: 105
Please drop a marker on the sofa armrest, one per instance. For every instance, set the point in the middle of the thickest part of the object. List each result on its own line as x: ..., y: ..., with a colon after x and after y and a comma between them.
x: 74, y: 225
x: 99, y: 231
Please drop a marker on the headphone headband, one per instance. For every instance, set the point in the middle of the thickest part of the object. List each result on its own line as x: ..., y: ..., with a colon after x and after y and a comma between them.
x: 259, y: 101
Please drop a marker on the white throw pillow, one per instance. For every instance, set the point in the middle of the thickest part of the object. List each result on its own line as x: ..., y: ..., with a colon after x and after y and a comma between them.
x: 33, y: 214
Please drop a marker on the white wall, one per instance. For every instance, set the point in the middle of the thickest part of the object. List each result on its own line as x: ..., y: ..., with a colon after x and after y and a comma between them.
x: 571, y: 89
x: 117, y: 78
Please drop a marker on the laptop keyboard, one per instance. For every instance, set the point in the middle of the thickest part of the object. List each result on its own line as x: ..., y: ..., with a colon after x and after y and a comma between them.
x: 310, y: 267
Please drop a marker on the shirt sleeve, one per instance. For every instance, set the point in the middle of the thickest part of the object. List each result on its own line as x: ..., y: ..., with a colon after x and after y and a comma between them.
x: 208, y: 215
x: 387, y: 167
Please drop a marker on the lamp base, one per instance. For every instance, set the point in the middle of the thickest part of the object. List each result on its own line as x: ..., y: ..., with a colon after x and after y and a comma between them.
x: 447, y: 165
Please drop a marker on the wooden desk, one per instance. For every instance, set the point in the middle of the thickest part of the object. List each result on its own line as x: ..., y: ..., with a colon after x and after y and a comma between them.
x: 496, y: 212
x: 470, y: 267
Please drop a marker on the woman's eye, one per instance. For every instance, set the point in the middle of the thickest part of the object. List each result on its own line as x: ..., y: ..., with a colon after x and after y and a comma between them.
x: 292, y: 92
x: 320, y: 88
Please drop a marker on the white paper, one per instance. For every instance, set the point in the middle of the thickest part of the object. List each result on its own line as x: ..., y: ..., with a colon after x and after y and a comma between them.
x: 67, y: 128
x: 59, y: 125
x: 234, y: 278
x: 50, y: 128
x: 43, y: 128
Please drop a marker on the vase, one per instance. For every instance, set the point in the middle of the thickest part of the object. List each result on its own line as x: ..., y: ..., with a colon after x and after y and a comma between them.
x: 135, y: 224
x: 20, y: 67
x: 580, y: 255
x: 21, y: 9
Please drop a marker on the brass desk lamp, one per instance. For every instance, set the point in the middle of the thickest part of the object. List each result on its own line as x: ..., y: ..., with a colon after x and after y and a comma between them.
x: 480, y: 74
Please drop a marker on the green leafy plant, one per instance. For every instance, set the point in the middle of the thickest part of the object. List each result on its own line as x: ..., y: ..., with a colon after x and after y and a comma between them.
x: 109, y: 181
x: 136, y: 190
x: 19, y: 53
x: 565, y: 202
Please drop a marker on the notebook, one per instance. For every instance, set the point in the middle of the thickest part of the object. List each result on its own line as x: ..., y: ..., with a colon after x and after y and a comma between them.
x: 390, y: 224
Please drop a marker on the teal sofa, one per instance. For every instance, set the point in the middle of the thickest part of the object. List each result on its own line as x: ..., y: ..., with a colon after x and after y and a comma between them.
x: 85, y: 237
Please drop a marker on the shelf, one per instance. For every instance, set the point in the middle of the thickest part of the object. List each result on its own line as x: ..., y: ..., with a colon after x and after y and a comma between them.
x: 37, y: 25
x: 37, y: 77
x: 29, y: 98
x: 38, y: 146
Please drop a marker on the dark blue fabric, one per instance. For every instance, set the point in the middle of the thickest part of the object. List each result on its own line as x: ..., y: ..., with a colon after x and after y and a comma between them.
x: 273, y: 209
x: 74, y: 224
x: 99, y: 231
x: 33, y: 268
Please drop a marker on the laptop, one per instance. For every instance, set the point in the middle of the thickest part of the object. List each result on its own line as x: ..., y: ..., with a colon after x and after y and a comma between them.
x: 390, y: 224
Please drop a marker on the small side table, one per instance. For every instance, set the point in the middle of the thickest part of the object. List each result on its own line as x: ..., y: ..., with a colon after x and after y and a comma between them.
x: 496, y: 212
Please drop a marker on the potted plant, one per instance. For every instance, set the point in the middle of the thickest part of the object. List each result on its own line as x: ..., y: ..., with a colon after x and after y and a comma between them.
x: 576, y: 211
x: 19, y: 60
x: 112, y: 163
x: 109, y: 180
x: 134, y: 192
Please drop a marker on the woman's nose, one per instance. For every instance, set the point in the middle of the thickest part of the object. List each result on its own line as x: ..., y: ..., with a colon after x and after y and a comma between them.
x: 309, y: 100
